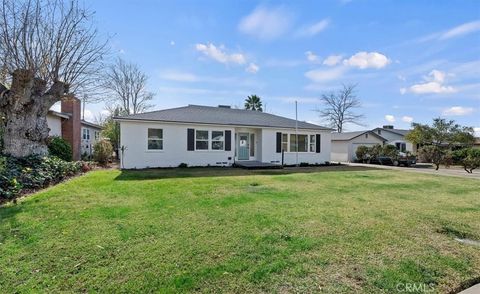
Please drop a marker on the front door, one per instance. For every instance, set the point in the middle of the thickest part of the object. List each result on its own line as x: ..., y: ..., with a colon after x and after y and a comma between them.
x: 243, y: 146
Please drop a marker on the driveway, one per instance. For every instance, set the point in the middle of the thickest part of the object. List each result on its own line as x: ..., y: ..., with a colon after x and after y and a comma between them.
x: 426, y: 169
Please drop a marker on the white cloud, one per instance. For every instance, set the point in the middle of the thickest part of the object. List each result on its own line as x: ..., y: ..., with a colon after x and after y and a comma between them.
x: 332, y: 60
x: 266, y: 23
x: 364, y: 60
x: 311, y: 56
x: 431, y: 87
x: 457, y: 111
x: 401, y: 78
x: 390, y: 118
x: 105, y: 112
x: 219, y: 54
x: 461, y: 30
x: 322, y: 75
x: 313, y: 29
x: 436, y: 76
x: 407, y: 119
x: 252, y: 68
x: 433, y: 84
x: 172, y: 43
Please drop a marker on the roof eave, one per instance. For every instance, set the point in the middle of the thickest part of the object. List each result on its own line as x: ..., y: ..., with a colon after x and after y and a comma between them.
x: 119, y: 118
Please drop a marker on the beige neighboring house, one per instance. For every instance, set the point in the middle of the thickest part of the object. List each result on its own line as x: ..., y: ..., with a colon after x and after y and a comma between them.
x: 344, y: 145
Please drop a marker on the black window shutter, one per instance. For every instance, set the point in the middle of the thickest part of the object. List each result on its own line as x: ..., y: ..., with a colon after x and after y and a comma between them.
x: 279, y: 142
x: 190, y: 139
x: 228, y: 140
x: 318, y: 142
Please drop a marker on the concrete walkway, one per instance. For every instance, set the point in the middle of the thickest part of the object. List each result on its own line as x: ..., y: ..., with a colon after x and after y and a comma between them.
x: 425, y: 169
x: 472, y: 290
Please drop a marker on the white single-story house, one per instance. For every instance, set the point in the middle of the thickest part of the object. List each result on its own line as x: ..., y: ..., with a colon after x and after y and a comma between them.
x: 218, y: 136
x: 344, y: 145
x: 396, y: 137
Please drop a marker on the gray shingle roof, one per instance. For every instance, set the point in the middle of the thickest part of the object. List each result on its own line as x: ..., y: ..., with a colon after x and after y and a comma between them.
x: 350, y: 135
x: 221, y: 116
x: 395, y: 131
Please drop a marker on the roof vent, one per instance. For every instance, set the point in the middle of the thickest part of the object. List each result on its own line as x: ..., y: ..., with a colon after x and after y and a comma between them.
x: 388, y: 127
x: 224, y: 106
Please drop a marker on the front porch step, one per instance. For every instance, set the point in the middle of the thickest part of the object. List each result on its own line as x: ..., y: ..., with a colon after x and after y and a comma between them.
x: 253, y: 164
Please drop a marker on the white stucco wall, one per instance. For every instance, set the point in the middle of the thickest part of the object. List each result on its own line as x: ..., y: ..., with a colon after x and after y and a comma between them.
x: 269, y: 147
x: 340, y: 151
x: 133, y: 135
x: 55, y: 125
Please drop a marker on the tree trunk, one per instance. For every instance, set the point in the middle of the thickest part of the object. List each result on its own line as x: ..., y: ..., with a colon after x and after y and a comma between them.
x: 26, y: 132
x: 24, y: 108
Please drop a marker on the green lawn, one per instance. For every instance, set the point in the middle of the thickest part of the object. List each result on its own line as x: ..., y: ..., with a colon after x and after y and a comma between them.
x: 224, y: 230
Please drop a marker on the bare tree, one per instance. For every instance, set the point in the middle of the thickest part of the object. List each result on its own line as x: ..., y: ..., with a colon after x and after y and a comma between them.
x: 339, y: 108
x: 49, y: 50
x: 128, y: 85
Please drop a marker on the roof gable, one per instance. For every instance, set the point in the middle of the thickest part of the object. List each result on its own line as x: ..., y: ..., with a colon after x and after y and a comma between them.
x: 394, y: 131
x: 347, y: 136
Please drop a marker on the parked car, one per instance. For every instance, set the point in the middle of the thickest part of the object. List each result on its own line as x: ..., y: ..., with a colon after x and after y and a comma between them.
x: 405, y: 159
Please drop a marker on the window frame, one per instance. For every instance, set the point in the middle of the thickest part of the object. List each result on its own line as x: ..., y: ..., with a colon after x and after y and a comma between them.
x: 285, y: 142
x: 160, y: 139
x: 202, y: 140
x: 293, y: 140
x: 212, y: 140
x: 312, y: 142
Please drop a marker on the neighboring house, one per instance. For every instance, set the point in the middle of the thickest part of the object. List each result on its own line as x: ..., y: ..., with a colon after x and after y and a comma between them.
x: 476, y: 144
x: 396, y: 137
x: 344, y: 145
x: 218, y: 136
x: 90, y: 136
x: 68, y: 124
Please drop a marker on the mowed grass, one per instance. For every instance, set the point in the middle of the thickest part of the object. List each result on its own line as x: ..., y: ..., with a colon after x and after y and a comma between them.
x: 225, y: 230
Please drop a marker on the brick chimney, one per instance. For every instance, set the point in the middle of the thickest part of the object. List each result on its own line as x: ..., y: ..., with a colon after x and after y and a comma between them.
x: 71, y: 128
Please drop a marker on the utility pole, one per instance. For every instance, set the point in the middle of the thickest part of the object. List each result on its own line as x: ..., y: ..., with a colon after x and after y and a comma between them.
x: 296, y: 134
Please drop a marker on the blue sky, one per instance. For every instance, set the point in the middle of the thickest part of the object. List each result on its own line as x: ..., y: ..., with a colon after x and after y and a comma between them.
x: 412, y: 60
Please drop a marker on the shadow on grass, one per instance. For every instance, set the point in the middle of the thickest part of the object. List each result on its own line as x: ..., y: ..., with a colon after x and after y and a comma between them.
x: 199, y: 172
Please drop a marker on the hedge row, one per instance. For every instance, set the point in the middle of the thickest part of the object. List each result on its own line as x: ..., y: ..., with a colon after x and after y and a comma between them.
x: 22, y: 175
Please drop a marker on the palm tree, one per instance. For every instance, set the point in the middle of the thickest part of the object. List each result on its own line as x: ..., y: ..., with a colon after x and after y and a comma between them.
x: 253, y: 102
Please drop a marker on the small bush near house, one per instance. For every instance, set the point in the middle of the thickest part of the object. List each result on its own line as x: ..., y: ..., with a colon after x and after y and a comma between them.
x: 390, y: 151
x: 362, y: 153
x: 102, y: 152
x: 60, y: 148
x: 19, y: 175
